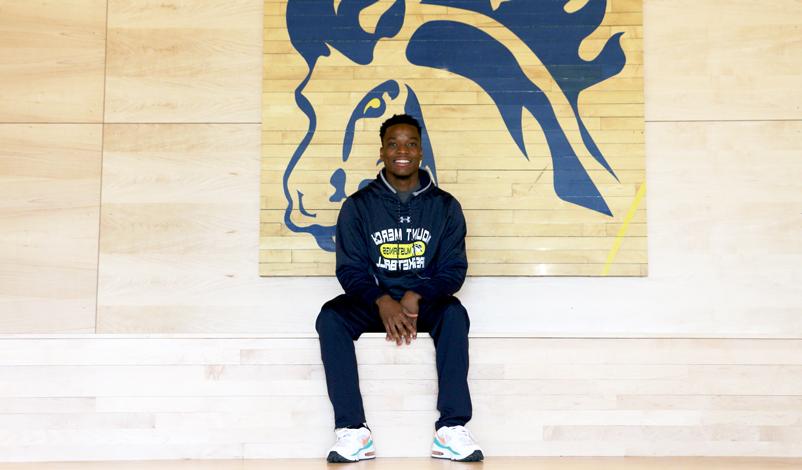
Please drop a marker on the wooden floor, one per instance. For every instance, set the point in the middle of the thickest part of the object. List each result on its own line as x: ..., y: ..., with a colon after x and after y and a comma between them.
x: 501, y: 463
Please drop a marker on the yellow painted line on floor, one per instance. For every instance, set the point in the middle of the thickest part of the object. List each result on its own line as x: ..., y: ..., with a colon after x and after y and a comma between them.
x: 619, y: 238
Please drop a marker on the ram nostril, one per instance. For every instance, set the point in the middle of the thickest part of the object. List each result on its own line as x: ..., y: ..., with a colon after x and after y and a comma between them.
x: 338, y: 181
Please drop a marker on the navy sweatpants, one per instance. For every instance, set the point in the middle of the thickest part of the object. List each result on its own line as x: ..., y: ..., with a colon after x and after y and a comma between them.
x: 343, y: 319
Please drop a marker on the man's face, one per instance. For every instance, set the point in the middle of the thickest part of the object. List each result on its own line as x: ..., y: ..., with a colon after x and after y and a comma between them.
x: 401, y: 151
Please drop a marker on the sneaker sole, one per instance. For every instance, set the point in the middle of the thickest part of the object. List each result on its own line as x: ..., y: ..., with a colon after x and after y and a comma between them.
x: 476, y: 456
x: 334, y: 457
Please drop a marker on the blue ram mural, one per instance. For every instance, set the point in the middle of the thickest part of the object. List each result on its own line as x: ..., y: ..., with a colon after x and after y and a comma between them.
x: 468, y: 46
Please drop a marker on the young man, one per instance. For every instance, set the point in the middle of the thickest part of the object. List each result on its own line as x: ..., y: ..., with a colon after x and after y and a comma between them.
x: 400, y: 258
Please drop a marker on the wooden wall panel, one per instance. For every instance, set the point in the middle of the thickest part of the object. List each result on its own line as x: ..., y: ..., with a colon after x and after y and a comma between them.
x: 727, y: 60
x: 724, y: 249
x: 725, y: 255
x: 51, y: 60
x: 118, y: 398
x: 178, y: 61
x: 178, y: 226
x: 50, y: 193
x: 718, y: 249
x: 179, y: 236
x: 470, y: 140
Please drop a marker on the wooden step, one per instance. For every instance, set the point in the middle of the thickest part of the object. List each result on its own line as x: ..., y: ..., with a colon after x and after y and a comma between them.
x: 106, y: 397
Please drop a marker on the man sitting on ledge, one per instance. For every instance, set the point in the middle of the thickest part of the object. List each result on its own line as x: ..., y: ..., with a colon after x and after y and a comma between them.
x: 400, y: 246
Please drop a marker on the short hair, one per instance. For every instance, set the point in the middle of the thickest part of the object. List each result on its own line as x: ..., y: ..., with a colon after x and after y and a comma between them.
x: 398, y: 119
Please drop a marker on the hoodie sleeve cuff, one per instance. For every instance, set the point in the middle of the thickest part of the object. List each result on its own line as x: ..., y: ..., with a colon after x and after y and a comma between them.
x: 426, y: 292
x: 372, y: 295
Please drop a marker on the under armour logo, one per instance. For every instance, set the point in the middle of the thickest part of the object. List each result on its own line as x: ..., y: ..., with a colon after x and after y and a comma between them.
x: 406, y: 220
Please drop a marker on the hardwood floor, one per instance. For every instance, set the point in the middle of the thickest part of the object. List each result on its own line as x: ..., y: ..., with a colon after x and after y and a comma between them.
x: 497, y: 463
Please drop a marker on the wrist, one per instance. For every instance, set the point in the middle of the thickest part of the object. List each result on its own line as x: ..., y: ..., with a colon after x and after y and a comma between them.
x: 382, y: 298
x: 413, y: 294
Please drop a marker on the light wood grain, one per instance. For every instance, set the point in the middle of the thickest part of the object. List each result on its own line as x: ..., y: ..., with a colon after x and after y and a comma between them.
x: 728, y: 60
x: 81, y: 398
x: 179, y: 235
x: 52, y: 57
x: 179, y: 242
x: 175, y: 61
x: 50, y: 193
x: 161, y: 222
x: 706, y: 235
x: 721, y: 232
x: 469, y: 138
x: 500, y: 463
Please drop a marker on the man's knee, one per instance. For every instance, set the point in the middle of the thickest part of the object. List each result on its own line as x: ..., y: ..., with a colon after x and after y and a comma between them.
x: 456, y: 316
x: 328, y: 321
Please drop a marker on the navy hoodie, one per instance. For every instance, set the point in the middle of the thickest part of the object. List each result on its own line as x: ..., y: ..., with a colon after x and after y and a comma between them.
x: 385, y: 246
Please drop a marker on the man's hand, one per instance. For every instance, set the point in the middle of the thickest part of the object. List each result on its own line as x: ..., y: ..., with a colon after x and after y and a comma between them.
x: 410, y: 302
x: 414, y: 326
x: 399, y: 325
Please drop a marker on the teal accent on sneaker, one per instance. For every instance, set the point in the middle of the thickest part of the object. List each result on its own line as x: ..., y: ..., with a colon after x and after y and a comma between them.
x: 437, y: 443
x: 370, y: 443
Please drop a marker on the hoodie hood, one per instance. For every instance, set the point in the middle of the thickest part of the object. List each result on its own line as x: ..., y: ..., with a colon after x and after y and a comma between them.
x: 425, y: 178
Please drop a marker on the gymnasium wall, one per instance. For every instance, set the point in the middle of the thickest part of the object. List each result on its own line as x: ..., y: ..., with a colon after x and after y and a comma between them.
x: 130, y: 180
x: 135, y: 324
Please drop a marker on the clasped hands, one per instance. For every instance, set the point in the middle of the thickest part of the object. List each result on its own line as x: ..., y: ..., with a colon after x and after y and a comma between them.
x: 400, y: 318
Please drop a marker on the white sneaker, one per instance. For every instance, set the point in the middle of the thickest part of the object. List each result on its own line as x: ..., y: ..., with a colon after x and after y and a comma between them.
x: 456, y: 443
x: 352, y: 445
